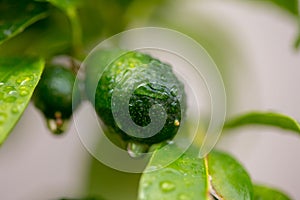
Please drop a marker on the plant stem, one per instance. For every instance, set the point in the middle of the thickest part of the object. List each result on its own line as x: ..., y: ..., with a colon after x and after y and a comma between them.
x: 76, y: 31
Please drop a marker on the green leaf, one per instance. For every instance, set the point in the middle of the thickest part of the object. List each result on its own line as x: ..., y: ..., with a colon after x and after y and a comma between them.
x: 297, y: 42
x: 18, y: 78
x: 266, y: 193
x: 185, y: 178
x: 265, y: 118
x: 64, y: 4
x: 51, y: 43
x: 229, y: 179
x: 17, y: 15
x: 288, y: 5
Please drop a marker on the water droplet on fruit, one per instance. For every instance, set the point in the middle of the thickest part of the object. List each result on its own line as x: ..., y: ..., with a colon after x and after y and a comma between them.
x: 136, y: 150
x: 3, y: 117
x: 174, y: 91
x: 57, y: 126
x: 167, y: 186
x: 176, y: 122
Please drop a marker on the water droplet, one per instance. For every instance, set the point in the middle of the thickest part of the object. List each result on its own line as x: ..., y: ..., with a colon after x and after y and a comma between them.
x: 57, y: 126
x: 24, y: 92
x: 111, y: 91
x: 13, y: 93
x: 167, y: 186
x: 7, y: 32
x: 183, y: 197
x: 174, y: 91
x: 15, y: 109
x: 10, y: 98
x: 174, y: 104
x: 24, y: 80
x: 10, y: 94
x: 170, y: 142
x: 136, y: 150
x: 8, y: 89
x: 176, y: 122
x: 3, y: 117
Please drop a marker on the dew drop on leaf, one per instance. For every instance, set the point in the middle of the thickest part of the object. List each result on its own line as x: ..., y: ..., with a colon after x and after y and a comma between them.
x: 10, y: 98
x: 7, y: 32
x: 24, y: 80
x: 15, y: 109
x: 8, y: 89
x: 24, y: 92
x: 167, y: 186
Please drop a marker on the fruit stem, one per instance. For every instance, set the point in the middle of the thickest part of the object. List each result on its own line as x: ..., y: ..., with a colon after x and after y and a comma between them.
x: 76, y: 30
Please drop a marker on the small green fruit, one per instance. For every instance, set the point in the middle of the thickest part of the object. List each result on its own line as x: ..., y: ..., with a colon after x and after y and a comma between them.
x: 54, y: 95
x: 137, y: 82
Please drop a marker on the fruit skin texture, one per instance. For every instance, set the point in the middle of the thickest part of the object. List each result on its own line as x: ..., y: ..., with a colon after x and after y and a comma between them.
x: 53, y: 94
x: 154, y: 84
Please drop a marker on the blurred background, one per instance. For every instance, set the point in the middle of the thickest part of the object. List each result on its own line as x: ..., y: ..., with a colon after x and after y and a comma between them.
x: 252, y: 44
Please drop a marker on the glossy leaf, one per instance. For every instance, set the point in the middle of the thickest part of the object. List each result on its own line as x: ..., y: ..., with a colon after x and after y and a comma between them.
x: 41, y: 38
x: 18, y: 78
x: 185, y: 178
x: 229, y: 179
x: 265, y: 118
x: 266, y: 193
x: 17, y: 15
